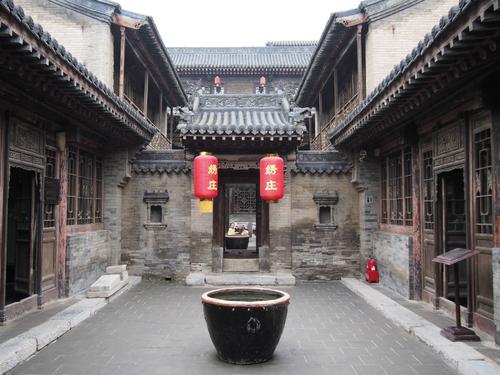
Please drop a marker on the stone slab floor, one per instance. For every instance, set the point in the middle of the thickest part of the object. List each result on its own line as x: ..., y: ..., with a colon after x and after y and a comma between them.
x: 158, y: 328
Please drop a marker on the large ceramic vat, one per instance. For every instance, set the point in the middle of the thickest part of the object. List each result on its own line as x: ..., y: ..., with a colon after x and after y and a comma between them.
x: 245, y: 324
x: 237, y: 242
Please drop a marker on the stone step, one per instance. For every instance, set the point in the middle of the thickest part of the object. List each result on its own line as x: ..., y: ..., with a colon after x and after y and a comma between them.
x: 241, y: 265
x: 239, y: 278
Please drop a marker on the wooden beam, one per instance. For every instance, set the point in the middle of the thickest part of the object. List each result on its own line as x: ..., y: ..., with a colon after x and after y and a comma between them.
x: 361, y: 70
x: 129, y: 23
x: 146, y: 93
x: 121, y: 80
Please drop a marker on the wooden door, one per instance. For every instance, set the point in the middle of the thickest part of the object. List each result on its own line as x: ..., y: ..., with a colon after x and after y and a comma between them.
x: 428, y: 223
x: 49, y: 234
x: 453, y: 230
x: 21, y: 244
x: 482, y: 218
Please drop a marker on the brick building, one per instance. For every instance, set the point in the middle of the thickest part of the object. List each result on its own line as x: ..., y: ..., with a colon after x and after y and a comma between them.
x: 66, y: 138
x: 312, y: 233
x: 423, y: 141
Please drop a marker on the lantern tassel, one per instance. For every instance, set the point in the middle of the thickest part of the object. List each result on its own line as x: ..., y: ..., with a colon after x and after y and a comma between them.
x: 206, y: 206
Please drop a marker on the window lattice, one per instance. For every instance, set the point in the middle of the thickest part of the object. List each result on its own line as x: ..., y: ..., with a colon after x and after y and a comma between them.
x: 85, y: 188
x: 483, y: 182
x: 428, y: 182
x: 243, y: 200
x: 49, y: 216
x: 72, y: 175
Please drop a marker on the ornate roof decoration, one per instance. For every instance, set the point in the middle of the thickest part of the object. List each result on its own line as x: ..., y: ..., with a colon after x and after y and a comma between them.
x: 326, y: 198
x: 339, y: 28
x: 250, y: 116
x: 436, y: 61
x: 165, y: 161
x: 321, y: 162
x: 278, y: 59
x: 29, y: 42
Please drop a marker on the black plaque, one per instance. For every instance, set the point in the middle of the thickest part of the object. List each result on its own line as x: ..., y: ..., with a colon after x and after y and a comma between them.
x: 51, y: 190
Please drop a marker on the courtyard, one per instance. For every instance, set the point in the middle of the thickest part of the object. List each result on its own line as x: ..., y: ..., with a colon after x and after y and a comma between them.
x: 158, y: 328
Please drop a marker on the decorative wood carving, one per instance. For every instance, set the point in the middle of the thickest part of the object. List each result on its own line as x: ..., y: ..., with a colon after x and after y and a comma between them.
x: 449, y: 146
x: 26, y: 143
x: 239, y: 165
x: 240, y: 101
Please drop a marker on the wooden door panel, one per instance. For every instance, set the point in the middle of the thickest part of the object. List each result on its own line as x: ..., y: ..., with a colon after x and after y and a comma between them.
x: 49, y: 259
x: 484, y: 298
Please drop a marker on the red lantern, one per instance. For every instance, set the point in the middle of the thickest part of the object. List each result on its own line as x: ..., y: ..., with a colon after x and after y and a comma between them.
x: 272, y: 176
x: 205, y: 180
x: 262, y: 81
x: 217, y: 81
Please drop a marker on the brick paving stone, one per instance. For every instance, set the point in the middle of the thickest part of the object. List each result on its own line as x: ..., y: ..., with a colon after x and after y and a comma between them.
x: 158, y: 328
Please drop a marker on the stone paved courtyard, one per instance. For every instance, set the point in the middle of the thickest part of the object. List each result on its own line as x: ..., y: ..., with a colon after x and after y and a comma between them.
x: 158, y: 328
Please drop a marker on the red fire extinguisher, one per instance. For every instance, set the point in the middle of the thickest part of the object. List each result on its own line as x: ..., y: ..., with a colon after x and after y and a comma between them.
x: 371, y: 272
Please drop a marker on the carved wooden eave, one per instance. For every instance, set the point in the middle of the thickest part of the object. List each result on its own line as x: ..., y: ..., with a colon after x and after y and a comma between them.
x: 463, y: 44
x: 31, y: 54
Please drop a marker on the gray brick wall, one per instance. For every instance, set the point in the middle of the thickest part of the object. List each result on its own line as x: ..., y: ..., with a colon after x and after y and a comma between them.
x: 280, y: 235
x: 393, y: 254
x: 162, y: 251
x: 389, y: 40
x: 89, y: 40
x: 87, y: 255
x: 319, y: 254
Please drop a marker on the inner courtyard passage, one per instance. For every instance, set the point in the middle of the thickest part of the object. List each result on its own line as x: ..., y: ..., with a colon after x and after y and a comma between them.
x: 158, y: 328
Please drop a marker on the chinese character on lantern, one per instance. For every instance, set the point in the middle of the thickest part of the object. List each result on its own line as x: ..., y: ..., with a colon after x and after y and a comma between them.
x: 271, y: 169
x: 205, y: 180
x: 272, y: 184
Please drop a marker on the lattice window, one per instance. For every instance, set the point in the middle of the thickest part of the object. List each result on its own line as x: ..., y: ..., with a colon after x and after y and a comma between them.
x: 85, y: 188
x: 408, y: 208
x: 385, y: 212
x: 483, y: 182
x: 428, y: 187
x: 72, y: 178
x: 243, y: 200
x: 395, y: 189
x: 98, y: 191
x: 49, y: 216
x: 397, y: 197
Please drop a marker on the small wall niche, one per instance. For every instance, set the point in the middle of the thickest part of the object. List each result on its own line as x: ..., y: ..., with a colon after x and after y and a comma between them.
x: 156, y: 206
x: 326, y: 201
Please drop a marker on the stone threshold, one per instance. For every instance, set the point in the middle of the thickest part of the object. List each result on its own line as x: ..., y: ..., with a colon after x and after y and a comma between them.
x: 460, y: 356
x: 240, y: 278
x: 20, y: 348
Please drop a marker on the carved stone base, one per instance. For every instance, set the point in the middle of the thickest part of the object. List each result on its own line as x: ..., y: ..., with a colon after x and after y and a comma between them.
x: 459, y: 334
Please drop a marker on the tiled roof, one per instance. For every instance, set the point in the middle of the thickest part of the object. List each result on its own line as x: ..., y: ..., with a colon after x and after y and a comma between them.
x: 321, y: 162
x: 282, y: 58
x: 74, y: 76
x: 292, y: 43
x: 410, y: 76
x: 164, y: 161
x: 248, y: 115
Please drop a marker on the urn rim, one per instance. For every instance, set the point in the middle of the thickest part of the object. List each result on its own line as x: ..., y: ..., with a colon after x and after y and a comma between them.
x: 207, y: 299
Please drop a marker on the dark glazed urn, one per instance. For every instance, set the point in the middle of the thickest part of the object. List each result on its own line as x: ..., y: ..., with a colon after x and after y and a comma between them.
x: 245, y: 324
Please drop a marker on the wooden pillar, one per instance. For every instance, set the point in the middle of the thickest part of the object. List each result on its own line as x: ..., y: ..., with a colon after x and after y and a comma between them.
x: 61, y: 215
x: 160, y: 121
x: 171, y: 126
x: 146, y: 93
x: 361, y: 59
x: 416, y: 288
x: 320, y: 119
x: 335, y: 92
x: 4, y: 181
x: 121, y: 80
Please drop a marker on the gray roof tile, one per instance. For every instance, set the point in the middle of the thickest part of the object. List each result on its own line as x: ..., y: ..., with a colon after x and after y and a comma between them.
x: 252, y: 115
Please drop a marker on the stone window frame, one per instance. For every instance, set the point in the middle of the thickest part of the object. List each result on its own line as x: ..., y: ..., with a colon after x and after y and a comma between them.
x: 156, y: 198
x: 326, y: 199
